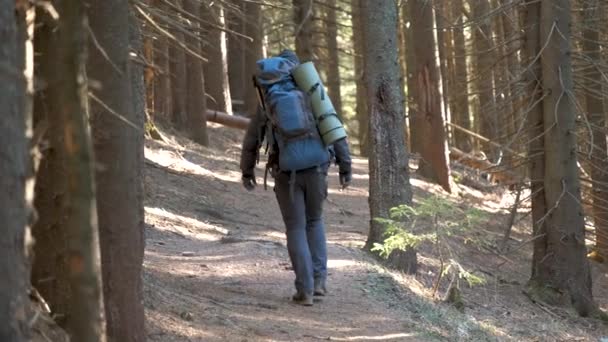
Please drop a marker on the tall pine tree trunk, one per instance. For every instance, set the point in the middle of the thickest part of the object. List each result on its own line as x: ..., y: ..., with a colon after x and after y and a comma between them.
x: 415, y: 136
x: 511, y: 29
x: 441, y: 23
x: 459, y: 106
x: 388, y: 159
x: 83, y: 256
x: 216, y: 69
x: 428, y: 119
x: 13, y: 170
x: 237, y: 74
x: 179, y: 88
x: 362, y: 113
x: 303, y: 21
x: 118, y: 150
x: 162, y: 79
x: 196, y: 104
x: 49, y: 268
x: 253, y: 52
x: 536, y: 145
x: 560, y: 267
x: 333, y: 60
x: 484, y: 59
x: 597, y: 118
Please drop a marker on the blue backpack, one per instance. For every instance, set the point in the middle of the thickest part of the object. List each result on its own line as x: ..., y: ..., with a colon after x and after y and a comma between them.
x: 288, y: 110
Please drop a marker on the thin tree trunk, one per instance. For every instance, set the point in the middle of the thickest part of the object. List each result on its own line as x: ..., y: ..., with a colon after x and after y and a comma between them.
x: 362, y: 113
x: 196, y: 104
x: 560, y: 263
x: 13, y: 170
x: 83, y: 256
x: 237, y: 74
x: 484, y: 59
x: 177, y: 67
x: 118, y: 149
x: 459, y: 94
x: 333, y: 60
x: 416, y: 135
x: 303, y: 21
x: 216, y: 69
x: 150, y: 78
x: 428, y: 121
x: 50, y: 272
x: 402, y: 32
x: 534, y: 120
x: 511, y: 31
x: 162, y: 79
x: 253, y: 52
x: 441, y: 22
x: 388, y: 159
x: 597, y: 118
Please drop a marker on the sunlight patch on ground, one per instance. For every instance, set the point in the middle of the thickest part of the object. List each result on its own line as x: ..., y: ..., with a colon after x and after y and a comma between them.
x: 171, y: 160
x: 276, y: 234
x: 165, y: 220
x: 360, y: 176
x: 374, y: 338
x: 342, y: 263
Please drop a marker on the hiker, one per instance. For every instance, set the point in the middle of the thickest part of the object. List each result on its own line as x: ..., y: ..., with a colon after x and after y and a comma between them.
x: 300, y: 193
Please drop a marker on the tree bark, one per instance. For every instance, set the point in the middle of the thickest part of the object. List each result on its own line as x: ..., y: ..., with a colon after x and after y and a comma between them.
x: 459, y: 95
x: 177, y: 67
x: 415, y: 137
x: 216, y: 69
x: 441, y: 22
x: 119, y: 150
x: 511, y: 29
x: 162, y: 79
x: 333, y: 60
x: 402, y: 30
x: 560, y: 265
x: 597, y: 118
x: 253, y: 52
x: 303, y: 21
x: 13, y: 171
x: 388, y: 160
x: 428, y: 121
x: 196, y: 104
x: 484, y: 59
x: 237, y: 72
x: 83, y: 257
x: 49, y: 268
x: 536, y: 144
x: 362, y: 113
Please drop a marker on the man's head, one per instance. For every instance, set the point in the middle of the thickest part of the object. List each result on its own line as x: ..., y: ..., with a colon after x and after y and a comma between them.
x: 289, y: 55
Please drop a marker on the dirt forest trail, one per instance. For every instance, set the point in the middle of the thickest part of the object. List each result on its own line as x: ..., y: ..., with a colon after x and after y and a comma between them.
x: 216, y: 266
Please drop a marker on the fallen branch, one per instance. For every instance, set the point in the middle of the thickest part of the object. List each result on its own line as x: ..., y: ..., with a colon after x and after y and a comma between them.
x: 498, y: 176
x: 233, y: 121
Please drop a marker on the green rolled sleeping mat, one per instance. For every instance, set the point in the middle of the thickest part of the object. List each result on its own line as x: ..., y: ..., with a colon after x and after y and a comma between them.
x: 329, y: 124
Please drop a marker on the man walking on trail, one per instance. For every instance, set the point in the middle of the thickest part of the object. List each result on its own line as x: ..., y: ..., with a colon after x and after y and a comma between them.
x: 300, y: 195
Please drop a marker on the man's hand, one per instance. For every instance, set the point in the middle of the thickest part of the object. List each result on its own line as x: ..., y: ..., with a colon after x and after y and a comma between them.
x: 345, y: 178
x: 249, y: 182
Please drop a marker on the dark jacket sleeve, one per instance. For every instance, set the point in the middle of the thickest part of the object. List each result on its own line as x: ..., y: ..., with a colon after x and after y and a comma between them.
x: 342, y: 154
x: 252, y: 143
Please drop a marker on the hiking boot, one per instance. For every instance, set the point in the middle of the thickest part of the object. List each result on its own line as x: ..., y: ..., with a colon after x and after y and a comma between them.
x: 320, y: 289
x: 302, y: 298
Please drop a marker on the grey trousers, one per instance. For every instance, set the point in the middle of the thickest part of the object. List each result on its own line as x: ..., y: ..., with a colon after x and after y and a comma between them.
x: 301, y: 205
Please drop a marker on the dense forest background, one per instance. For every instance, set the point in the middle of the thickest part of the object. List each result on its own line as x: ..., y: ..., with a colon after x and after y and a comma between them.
x: 513, y: 92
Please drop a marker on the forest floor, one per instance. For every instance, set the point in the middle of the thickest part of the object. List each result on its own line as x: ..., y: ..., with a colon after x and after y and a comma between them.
x: 217, y: 269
